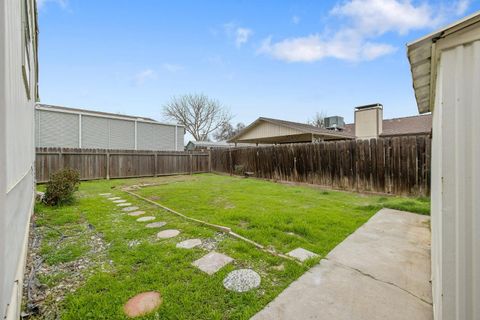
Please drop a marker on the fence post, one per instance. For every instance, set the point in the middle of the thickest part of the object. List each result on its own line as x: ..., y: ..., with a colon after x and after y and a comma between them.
x: 230, y: 160
x: 210, y: 160
x: 60, y: 160
x: 155, y: 164
x: 108, y: 165
x: 191, y: 163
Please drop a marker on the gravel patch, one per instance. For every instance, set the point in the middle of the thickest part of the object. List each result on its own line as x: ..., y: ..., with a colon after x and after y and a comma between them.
x: 242, y: 280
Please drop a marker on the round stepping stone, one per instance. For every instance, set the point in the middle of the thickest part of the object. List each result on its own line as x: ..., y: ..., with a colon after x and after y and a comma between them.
x: 119, y: 201
x: 114, y: 198
x: 241, y: 280
x: 130, y: 209
x: 105, y: 194
x: 189, y: 244
x: 170, y: 233
x: 143, y: 219
x: 136, y: 213
x: 126, y: 204
x: 158, y: 224
x: 142, y: 304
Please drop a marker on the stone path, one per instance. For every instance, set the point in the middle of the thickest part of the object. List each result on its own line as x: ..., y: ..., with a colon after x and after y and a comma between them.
x: 212, y: 262
x: 126, y: 204
x: 302, y: 254
x: 381, y: 271
x: 242, y: 280
x: 189, y: 244
x: 114, y: 198
x: 143, y: 303
x: 158, y: 224
x: 119, y: 201
x: 136, y: 213
x: 105, y: 194
x: 166, y: 234
x: 147, y: 218
x: 127, y: 209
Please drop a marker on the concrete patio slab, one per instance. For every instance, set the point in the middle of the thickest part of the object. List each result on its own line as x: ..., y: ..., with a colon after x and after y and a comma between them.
x: 381, y: 271
x: 212, y: 262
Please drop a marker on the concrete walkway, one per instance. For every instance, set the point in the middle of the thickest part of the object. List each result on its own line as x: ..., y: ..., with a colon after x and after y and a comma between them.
x: 381, y: 271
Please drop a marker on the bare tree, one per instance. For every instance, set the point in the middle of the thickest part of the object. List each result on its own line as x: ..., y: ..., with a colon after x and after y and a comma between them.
x: 198, y: 113
x: 227, y: 131
x: 318, y: 120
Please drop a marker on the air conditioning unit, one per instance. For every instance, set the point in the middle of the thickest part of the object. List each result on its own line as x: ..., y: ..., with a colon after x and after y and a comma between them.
x: 334, y: 123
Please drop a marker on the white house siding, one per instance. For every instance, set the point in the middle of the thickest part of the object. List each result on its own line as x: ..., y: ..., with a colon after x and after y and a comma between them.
x: 456, y: 183
x: 16, y: 154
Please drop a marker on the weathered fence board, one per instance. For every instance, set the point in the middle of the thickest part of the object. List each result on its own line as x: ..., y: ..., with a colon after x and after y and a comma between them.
x: 104, y: 164
x: 398, y: 165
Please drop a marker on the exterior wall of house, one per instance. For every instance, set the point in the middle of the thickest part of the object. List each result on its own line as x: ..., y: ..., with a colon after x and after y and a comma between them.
x: 266, y: 129
x: 455, y: 214
x: 83, y: 130
x: 18, y: 79
x: 368, y: 123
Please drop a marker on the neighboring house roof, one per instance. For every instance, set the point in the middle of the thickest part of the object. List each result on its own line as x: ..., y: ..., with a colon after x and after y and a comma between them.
x: 301, y: 128
x: 423, y: 57
x: 413, y: 125
x: 99, y: 113
x: 210, y: 144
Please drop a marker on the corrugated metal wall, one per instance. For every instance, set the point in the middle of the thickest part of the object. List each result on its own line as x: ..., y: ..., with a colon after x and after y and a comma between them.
x: 61, y: 129
x: 456, y: 185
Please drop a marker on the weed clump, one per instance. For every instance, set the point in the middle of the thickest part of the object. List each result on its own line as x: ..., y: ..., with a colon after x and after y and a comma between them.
x: 61, y: 187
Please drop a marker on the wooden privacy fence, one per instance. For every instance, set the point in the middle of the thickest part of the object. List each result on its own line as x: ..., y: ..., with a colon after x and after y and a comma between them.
x: 398, y: 165
x: 105, y: 164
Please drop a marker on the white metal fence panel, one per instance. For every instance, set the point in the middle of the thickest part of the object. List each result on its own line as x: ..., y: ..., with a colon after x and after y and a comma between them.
x: 95, y: 132
x: 122, y: 134
x: 180, y: 138
x: 57, y: 129
x: 155, y: 136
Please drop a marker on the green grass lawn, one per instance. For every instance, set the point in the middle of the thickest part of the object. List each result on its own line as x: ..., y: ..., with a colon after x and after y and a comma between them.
x: 280, y: 216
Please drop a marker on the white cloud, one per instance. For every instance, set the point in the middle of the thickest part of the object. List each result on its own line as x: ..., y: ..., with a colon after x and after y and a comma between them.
x: 173, y: 68
x: 42, y: 3
x: 461, y: 7
x: 361, y: 22
x: 296, y: 19
x: 381, y: 16
x: 144, y: 76
x: 313, y: 48
x: 241, y: 35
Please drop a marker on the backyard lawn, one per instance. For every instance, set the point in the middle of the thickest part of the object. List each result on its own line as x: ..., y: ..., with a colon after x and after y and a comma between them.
x: 112, y: 257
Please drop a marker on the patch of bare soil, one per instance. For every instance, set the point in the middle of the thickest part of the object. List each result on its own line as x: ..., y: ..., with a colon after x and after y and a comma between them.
x: 45, y: 286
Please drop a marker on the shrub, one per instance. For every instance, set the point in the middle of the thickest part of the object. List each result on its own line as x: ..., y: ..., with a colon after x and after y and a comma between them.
x: 61, y: 187
x: 239, y: 170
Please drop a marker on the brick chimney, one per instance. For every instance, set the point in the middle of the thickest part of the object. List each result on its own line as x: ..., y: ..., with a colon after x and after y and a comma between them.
x: 368, y: 121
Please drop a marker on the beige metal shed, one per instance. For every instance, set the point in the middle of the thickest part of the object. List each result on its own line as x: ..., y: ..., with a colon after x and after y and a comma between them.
x: 445, y: 68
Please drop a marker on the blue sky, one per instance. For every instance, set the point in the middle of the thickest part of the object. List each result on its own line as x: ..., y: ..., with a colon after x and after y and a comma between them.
x: 281, y: 59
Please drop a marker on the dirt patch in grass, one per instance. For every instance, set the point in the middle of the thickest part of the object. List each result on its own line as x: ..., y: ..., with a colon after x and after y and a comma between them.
x: 59, y: 260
